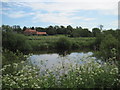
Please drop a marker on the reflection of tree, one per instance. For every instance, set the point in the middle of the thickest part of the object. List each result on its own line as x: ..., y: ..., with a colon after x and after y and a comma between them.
x: 63, y: 53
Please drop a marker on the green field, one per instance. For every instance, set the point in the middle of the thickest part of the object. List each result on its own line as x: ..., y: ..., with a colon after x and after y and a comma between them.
x: 48, y: 42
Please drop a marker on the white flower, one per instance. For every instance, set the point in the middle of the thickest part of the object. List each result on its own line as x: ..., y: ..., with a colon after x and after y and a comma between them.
x: 22, y: 61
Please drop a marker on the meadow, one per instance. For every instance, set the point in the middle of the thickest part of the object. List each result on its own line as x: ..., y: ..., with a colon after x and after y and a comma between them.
x: 49, y: 42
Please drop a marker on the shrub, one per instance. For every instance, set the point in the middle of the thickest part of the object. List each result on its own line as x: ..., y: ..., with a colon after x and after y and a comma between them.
x: 107, y: 45
x: 63, y: 44
x: 14, y: 42
x: 12, y: 57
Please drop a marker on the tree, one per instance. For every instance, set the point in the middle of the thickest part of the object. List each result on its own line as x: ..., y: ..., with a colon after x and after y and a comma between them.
x: 61, y: 30
x: 24, y: 28
x: 107, y: 45
x: 40, y: 29
x: 50, y: 30
x: 32, y: 28
x: 63, y: 44
x: 96, y: 31
x: 17, y: 28
x: 85, y: 33
x: 7, y: 28
x: 69, y: 29
x: 14, y: 42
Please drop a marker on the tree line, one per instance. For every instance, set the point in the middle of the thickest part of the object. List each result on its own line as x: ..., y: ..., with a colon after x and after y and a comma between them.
x: 56, y: 30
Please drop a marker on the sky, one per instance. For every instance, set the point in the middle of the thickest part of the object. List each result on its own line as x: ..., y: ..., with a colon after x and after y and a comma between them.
x: 43, y: 13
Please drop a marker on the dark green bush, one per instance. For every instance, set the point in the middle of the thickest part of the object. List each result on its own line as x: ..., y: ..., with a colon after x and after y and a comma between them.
x: 14, y: 42
x: 75, y: 45
x: 63, y: 44
x: 107, y: 45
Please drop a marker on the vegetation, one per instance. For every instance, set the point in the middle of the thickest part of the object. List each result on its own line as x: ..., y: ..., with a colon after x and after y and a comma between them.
x: 17, y: 74
x: 72, y: 75
x: 15, y: 42
x: 63, y: 43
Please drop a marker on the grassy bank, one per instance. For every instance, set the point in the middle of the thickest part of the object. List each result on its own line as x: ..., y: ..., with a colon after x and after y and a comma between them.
x: 49, y: 42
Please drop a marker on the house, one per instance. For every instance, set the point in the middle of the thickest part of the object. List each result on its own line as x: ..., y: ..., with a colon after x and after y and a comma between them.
x: 33, y: 32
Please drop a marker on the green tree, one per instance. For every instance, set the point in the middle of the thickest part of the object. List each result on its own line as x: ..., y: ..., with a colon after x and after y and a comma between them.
x: 7, y: 28
x: 63, y: 44
x: 17, y: 28
x: 24, y: 28
x: 107, y: 45
x: 96, y: 31
x: 69, y: 29
x: 76, y: 32
x: 85, y: 33
x: 50, y: 30
x: 15, y: 42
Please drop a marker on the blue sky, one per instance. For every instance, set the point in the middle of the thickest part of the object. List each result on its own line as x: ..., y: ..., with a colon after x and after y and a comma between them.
x: 54, y: 12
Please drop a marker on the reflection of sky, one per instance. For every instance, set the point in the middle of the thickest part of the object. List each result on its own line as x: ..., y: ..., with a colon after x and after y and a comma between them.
x: 55, y: 58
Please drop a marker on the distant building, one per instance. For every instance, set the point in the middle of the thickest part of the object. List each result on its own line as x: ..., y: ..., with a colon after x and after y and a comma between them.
x: 33, y: 32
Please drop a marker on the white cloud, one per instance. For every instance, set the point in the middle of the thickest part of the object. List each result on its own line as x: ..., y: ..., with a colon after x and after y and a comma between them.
x: 65, y: 9
x: 17, y: 14
x: 89, y: 19
x: 59, y: 18
x: 60, y: 0
x: 73, y: 6
x: 56, y: 18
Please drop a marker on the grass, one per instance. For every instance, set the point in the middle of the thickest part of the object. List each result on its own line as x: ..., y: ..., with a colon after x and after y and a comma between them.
x: 49, y: 42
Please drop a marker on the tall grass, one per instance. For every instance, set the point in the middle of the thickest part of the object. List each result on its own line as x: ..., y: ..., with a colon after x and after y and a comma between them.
x: 49, y: 42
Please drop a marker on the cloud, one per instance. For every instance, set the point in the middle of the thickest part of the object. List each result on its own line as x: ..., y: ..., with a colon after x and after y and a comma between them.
x: 89, y: 19
x: 17, y: 14
x: 72, y: 6
x: 61, y: 11
x: 56, y: 18
x: 60, y: 0
x: 59, y: 18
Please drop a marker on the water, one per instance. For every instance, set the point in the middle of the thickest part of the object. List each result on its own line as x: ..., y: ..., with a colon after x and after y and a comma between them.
x: 49, y: 60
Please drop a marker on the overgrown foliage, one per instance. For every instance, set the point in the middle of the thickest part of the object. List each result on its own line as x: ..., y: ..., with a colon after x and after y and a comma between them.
x: 72, y: 75
x: 14, y: 42
x: 63, y: 44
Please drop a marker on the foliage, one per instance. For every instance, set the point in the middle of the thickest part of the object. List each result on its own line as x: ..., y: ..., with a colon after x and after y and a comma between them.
x: 107, y: 45
x: 12, y: 57
x: 63, y: 44
x: 15, y: 42
x: 96, y: 31
x: 72, y: 75
x: 43, y: 43
x: 79, y: 32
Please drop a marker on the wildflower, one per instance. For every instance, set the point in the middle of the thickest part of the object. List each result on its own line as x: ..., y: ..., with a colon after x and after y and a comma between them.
x: 21, y: 75
x: 22, y: 62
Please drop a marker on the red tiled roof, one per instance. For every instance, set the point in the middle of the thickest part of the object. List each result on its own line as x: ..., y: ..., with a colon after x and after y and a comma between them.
x: 34, y: 32
x: 41, y: 33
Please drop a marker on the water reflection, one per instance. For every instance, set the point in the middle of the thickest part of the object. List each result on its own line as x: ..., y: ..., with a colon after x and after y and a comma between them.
x: 63, y: 53
x: 61, y: 58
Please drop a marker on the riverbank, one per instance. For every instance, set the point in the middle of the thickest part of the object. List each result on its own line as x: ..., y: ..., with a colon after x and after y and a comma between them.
x: 49, y: 42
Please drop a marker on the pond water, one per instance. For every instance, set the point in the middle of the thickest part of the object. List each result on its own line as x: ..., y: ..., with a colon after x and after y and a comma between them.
x: 51, y: 59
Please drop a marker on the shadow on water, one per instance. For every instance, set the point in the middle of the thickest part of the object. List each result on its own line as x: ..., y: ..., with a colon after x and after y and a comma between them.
x: 63, y: 53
